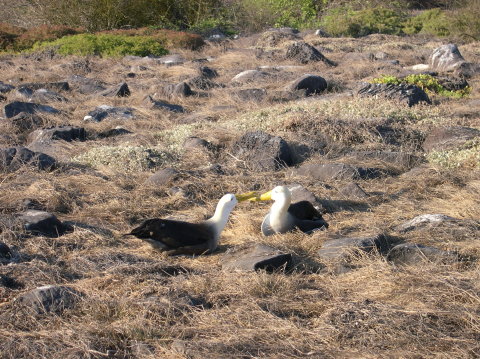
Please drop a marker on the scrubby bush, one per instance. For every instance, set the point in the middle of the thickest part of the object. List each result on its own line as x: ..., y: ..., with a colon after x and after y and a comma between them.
x: 433, y: 22
x: 43, y: 33
x: 343, y: 21
x: 105, y: 45
x: 427, y: 83
x: 466, y: 21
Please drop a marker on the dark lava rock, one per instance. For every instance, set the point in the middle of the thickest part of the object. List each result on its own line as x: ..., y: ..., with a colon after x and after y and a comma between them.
x: 300, y: 193
x: 54, y: 86
x: 448, y: 138
x: 120, y: 90
x: 117, y: 131
x: 85, y: 85
x: 26, y: 121
x: 410, y: 94
x: 163, y: 105
x: 41, y: 95
x: 411, y: 254
x: 5, y: 252
x: 207, y: 72
x: 66, y: 133
x: 181, y: 89
x: 251, y: 94
x: 163, y: 177
x: 425, y: 221
x: 254, y: 257
x: 305, y: 53
x: 467, y: 69
x: 203, y: 83
x: 43, y: 223
x: 3, y: 98
x: 353, y: 190
x: 16, y: 107
x: 337, y: 171
x: 311, y: 84
x: 4, y: 88
x: 11, y: 159
x: 49, y: 299
x: 446, y: 58
x: 453, y: 83
x: 104, y: 111
x: 263, y: 152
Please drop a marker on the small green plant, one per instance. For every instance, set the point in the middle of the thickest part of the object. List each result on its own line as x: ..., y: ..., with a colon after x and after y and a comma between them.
x: 125, y: 158
x: 432, y: 22
x: 428, y: 83
x: 468, y: 155
x: 105, y: 45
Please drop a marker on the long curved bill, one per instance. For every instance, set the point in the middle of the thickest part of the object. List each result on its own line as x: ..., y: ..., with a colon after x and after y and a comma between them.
x: 267, y: 196
x: 246, y: 196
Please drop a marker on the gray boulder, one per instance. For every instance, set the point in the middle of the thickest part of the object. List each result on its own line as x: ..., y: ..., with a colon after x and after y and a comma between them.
x: 49, y: 299
x: 263, y: 152
x: 305, y: 53
x: 181, y: 89
x: 409, y: 94
x: 310, y: 84
x: 4, y: 88
x: 160, y: 105
x: 253, y: 257
x: 66, y: 133
x: 207, y: 72
x: 104, y: 111
x: 353, y: 191
x: 16, y: 107
x: 13, y: 158
x: 446, y: 58
x: 425, y: 221
x: 120, y: 90
x: 250, y: 75
x: 411, y: 254
x: 42, y: 223
x: 448, y: 138
x: 337, y: 171
x: 163, y: 177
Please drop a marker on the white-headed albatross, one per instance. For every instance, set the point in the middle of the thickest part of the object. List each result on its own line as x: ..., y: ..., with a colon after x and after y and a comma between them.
x: 178, y: 237
x: 285, y: 217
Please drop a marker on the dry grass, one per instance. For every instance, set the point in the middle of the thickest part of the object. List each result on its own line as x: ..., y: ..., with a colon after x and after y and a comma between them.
x: 139, y: 304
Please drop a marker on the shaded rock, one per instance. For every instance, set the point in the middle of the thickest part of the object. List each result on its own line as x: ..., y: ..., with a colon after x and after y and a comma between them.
x: 467, y: 69
x: 425, y: 220
x: 262, y: 151
x: 321, y: 33
x: 104, y: 111
x: 3, y: 98
x: 250, y: 75
x: 54, y: 86
x: 207, y: 72
x: 274, y: 37
x: 4, y: 88
x: 192, y: 143
x: 181, y: 89
x: 410, y: 94
x: 300, y: 193
x: 49, y: 299
x: 254, y: 257
x: 5, y: 252
x: 117, y: 131
x: 311, y: 84
x: 202, y: 83
x: 453, y: 83
x: 11, y: 159
x: 163, y: 105
x: 120, y: 90
x: 171, y: 60
x: 411, y: 254
x: 251, y: 94
x: 353, y: 190
x: 85, y: 85
x: 26, y: 121
x: 42, y: 223
x: 66, y: 133
x: 305, y: 53
x: 446, y: 58
x: 337, y: 171
x: 448, y: 138
x: 41, y: 95
x: 163, y: 177
x: 16, y: 107
x: 399, y: 159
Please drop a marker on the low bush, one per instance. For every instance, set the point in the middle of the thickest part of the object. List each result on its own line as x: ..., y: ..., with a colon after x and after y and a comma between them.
x: 432, y: 22
x: 43, y: 33
x: 343, y: 21
x: 427, y: 83
x: 105, y: 45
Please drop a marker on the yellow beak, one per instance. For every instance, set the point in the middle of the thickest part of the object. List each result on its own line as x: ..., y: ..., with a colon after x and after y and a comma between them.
x: 267, y: 196
x: 246, y: 196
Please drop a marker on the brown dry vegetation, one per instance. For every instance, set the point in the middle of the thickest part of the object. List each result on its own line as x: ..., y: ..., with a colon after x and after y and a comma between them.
x: 139, y: 304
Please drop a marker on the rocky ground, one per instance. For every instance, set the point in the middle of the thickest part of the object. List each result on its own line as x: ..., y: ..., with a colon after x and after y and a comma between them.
x: 90, y: 147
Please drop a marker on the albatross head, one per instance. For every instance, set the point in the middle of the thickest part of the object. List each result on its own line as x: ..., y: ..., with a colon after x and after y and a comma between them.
x: 227, y: 202
x: 279, y: 193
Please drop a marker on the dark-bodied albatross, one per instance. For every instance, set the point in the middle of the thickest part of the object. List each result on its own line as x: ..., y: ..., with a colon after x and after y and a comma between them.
x: 178, y: 237
x: 285, y: 217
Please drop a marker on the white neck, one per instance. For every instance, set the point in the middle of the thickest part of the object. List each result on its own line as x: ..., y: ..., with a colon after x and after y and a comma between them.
x: 220, y: 218
x: 279, y: 210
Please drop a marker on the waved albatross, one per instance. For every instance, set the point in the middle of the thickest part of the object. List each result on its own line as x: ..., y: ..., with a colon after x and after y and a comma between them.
x: 285, y: 217
x: 178, y: 237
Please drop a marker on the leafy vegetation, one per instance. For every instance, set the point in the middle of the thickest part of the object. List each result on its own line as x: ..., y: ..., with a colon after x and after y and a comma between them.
x: 467, y: 155
x: 105, y: 45
x: 433, y: 22
x: 428, y: 83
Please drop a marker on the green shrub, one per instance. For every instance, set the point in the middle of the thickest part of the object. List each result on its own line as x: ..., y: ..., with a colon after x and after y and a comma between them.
x: 433, y: 22
x: 343, y: 21
x: 427, y: 83
x: 105, y: 45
